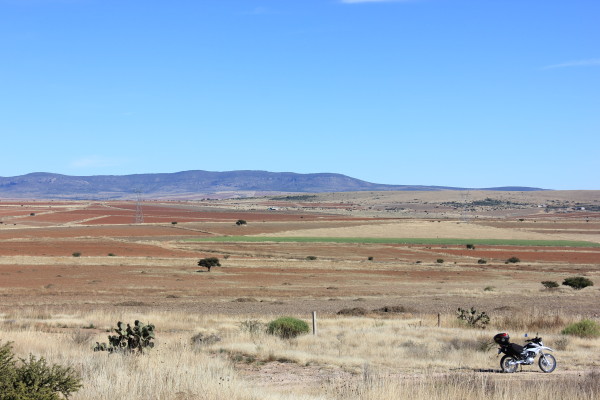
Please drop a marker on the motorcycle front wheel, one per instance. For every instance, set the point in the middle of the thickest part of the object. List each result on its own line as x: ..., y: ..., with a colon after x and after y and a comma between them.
x: 547, y: 362
x: 509, y: 364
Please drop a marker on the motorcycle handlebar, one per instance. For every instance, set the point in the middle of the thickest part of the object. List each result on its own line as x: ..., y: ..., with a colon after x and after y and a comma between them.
x: 535, y: 340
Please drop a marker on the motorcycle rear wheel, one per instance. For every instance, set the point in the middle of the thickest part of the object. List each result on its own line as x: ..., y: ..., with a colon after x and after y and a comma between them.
x: 509, y: 364
x: 547, y: 363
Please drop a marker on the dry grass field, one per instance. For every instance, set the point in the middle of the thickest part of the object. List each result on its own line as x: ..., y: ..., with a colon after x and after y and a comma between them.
x: 70, y: 270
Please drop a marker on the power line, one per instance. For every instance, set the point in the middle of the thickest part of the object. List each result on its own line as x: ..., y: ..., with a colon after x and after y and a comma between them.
x: 465, y: 209
x: 139, y: 215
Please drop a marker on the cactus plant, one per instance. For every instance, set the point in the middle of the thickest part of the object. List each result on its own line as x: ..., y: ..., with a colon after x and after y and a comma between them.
x: 473, y: 318
x: 128, y: 338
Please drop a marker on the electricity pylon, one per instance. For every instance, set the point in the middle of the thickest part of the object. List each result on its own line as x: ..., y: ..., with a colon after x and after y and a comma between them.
x: 139, y: 215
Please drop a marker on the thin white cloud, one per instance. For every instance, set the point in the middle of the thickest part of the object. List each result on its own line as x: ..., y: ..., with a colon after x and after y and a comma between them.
x: 577, y: 63
x: 261, y: 11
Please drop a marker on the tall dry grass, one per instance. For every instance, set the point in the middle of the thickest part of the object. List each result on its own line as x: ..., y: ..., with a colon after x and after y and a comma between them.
x: 467, y: 386
x: 377, y: 358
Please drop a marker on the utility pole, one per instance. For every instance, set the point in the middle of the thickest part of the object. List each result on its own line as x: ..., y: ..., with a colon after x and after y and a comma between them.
x: 139, y: 215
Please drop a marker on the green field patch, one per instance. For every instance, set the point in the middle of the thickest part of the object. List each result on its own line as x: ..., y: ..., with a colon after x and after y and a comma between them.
x: 427, y: 241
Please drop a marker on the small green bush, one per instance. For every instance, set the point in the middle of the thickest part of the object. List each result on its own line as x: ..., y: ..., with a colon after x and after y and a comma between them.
x: 578, y: 282
x: 311, y: 258
x: 77, y: 254
x: 583, y: 329
x: 481, y: 261
x: 470, y: 246
x: 513, y: 260
x: 240, y: 222
x: 550, y: 284
x: 34, y: 379
x: 440, y: 260
x: 287, y: 327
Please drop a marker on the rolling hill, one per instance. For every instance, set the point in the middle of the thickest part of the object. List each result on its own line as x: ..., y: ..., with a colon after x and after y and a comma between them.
x: 191, y: 185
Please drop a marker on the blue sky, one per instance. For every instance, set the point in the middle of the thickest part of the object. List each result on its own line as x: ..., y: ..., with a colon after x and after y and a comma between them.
x: 470, y: 93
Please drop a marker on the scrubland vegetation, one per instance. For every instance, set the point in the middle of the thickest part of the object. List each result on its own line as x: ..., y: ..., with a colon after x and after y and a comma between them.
x: 377, y: 284
x: 369, y: 357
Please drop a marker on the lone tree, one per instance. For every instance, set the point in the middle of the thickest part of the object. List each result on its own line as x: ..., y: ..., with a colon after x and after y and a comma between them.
x: 241, y: 222
x: 209, y: 262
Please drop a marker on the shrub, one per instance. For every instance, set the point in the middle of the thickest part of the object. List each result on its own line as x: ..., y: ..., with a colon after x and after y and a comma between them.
x: 550, y: 284
x: 583, y: 329
x: 34, y: 379
x: 513, y: 260
x: 111, y: 254
x: 79, y: 337
x: 473, y: 318
x: 201, y: 339
x: 252, y: 326
x: 287, y: 327
x: 355, y: 311
x: 484, y: 344
x: 562, y: 343
x: 393, y: 309
x: 578, y: 282
x: 311, y: 258
x: 481, y: 261
x: 173, y: 222
x: 240, y: 222
x: 440, y: 260
x: 209, y: 262
x: 370, y: 258
x: 470, y: 247
x: 77, y: 254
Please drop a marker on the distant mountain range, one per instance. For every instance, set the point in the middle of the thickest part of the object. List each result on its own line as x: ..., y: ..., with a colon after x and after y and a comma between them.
x: 192, y: 185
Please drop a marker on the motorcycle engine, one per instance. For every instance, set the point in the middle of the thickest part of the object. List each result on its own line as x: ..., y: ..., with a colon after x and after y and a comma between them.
x: 530, y: 357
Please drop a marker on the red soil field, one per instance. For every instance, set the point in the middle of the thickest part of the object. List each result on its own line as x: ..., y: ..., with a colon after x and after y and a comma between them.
x: 573, y: 255
x: 122, y: 231
x: 124, y: 213
x: 154, y: 259
x: 89, y: 247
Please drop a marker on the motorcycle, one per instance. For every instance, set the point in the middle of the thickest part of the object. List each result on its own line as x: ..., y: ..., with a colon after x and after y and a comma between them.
x: 515, y: 355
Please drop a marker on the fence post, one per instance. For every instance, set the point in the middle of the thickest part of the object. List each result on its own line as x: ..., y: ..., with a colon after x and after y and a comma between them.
x: 314, y: 320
